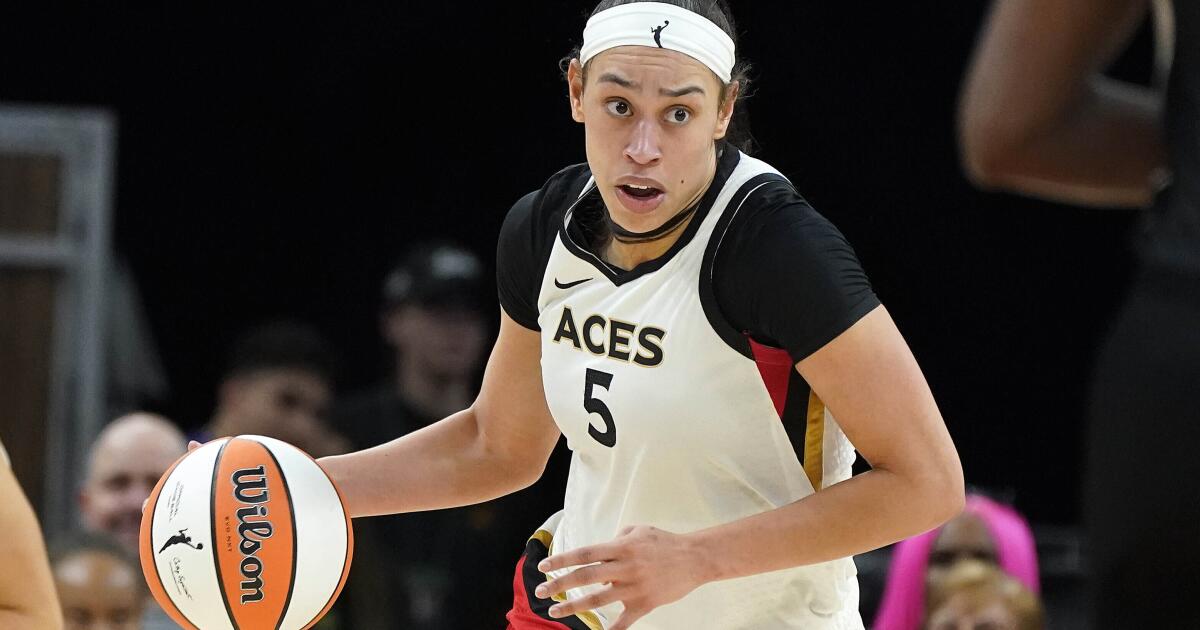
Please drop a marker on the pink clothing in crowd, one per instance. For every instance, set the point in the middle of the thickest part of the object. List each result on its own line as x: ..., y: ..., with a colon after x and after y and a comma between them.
x: 903, y: 606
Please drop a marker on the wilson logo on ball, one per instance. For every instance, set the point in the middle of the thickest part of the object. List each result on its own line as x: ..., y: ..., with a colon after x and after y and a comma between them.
x: 250, y: 487
x: 250, y: 534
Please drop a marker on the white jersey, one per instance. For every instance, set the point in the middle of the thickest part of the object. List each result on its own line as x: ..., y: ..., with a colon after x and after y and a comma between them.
x: 674, y: 426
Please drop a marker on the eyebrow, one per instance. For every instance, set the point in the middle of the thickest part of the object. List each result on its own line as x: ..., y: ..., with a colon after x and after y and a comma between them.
x: 609, y: 77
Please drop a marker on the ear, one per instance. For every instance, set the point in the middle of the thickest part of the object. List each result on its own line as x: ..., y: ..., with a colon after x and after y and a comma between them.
x: 229, y: 390
x: 725, y: 114
x: 84, y: 499
x: 575, y: 89
x: 387, y: 326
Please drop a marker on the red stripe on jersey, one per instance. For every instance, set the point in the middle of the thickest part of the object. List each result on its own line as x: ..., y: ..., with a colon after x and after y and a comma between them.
x: 522, y: 617
x: 774, y: 365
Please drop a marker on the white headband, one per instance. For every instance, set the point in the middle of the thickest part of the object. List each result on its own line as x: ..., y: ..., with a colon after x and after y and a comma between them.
x: 661, y: 25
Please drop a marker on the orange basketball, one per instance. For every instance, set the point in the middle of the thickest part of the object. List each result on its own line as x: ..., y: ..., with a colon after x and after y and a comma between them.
x: 246, y: 533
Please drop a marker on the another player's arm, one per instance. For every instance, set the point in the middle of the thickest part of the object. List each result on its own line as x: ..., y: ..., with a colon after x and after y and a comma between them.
x: 1038, y: 118
x: 499, y: 445
x: 871, y: 383
x: 27, y: 597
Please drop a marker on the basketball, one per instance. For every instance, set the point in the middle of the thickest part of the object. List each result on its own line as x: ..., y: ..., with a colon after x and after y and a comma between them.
x: 245, y: 533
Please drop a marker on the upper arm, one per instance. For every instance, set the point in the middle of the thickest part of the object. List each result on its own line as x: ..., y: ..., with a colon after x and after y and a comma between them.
x: 871, y: 383
x: 26, y: 586
x: 1034, y: 62
x: 511, y: 409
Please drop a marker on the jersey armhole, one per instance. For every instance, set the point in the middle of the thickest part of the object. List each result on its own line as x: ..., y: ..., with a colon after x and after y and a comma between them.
x: 737, y: 339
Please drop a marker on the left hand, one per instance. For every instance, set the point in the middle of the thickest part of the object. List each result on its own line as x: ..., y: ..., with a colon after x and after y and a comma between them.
x: 643, y: 568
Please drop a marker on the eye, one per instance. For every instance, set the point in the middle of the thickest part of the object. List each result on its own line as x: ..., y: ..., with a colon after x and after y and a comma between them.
x: 618, y: 108
x: 679, y: 115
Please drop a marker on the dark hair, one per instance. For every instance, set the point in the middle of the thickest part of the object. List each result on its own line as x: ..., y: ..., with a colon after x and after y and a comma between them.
x: 717, y: 12
x: 282, y: 345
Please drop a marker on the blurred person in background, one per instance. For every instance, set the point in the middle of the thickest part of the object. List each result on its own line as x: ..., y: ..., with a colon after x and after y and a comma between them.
x: 100, y: 585
x: 434, y: 322
x: 27, y: 597
x: 976, y: 595
x: 435, y: 302
x: 279, y: 383
x: 1039, y: 118
x: 986, y: 531
x: 124, y: 464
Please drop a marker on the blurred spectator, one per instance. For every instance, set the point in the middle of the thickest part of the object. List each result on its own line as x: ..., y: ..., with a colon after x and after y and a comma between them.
x: 124, y: 464
x: 27, y: 598
x: 976, y: 595
x: 986, y: 531
x: 99, y: 584
x: 278, y: 383
x: 433, y: 319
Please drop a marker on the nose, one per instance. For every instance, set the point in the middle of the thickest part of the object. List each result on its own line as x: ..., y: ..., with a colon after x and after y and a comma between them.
x: 644, y: 147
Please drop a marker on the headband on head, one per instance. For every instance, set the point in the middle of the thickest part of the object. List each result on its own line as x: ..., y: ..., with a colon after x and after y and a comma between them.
x: 660, y: 25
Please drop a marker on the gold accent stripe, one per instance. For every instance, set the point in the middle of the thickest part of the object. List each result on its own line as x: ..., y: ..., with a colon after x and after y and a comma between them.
x: 588, y: 617
x: 543, y: 537
x: 814, y: 441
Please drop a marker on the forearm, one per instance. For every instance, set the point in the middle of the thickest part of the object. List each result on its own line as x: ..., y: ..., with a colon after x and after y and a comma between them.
x: 1106, y: 151
x: 865, y: 512
x: 447, y: 464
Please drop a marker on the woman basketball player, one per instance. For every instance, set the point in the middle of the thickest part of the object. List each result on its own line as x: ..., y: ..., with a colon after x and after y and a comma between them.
x: 693, y: 327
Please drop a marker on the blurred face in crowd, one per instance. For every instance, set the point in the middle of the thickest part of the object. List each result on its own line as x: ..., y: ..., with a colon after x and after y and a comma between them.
x: 99, y: 592
x: 285, y: 403
x: 965, y: 537
x: 444, y: 340
x: 970, y: 611
x: 126, y: 461
x: 650, y: 116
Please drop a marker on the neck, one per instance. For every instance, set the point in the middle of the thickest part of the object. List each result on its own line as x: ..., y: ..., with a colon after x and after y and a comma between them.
x: 435, y: 395
x: 629, y: 254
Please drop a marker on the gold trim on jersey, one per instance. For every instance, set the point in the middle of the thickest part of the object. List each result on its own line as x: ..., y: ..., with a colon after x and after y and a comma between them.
x: 814, y: 441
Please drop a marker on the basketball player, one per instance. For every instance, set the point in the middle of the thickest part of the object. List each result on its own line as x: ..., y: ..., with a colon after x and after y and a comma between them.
x: 710, y: 347
x: 27, y: 597
x: 1039, y: 118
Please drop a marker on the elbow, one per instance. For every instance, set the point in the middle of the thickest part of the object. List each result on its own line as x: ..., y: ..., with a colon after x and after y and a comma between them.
x: 989, y: 152
x: 946, y: 490
x: 993, y: 141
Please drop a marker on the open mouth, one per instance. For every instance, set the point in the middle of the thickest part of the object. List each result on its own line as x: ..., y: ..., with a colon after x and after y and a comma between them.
x: 640, y: 192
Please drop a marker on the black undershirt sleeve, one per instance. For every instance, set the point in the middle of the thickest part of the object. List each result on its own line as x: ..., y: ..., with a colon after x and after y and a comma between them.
x: 518, y: 263
x: 787, y: 277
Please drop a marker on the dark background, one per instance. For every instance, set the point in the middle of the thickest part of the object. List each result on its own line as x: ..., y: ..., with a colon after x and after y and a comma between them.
x: 274, y: 160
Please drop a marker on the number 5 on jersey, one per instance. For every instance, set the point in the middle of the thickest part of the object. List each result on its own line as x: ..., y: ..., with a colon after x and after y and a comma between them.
x: 608, y: 436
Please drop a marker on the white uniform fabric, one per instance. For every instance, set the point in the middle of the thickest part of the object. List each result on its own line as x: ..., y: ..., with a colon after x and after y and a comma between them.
x: 698, y: 441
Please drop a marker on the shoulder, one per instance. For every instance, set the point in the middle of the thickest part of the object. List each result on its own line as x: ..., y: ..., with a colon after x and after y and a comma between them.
x: 527, y: 238
x: 771, y: 214
x: 537, y: 210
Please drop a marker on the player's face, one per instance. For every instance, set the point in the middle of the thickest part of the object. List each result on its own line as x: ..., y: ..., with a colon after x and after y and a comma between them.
x: 965, y: 537
x: 98, y: 592
x: 122, y: 475
x: 651, y: 117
